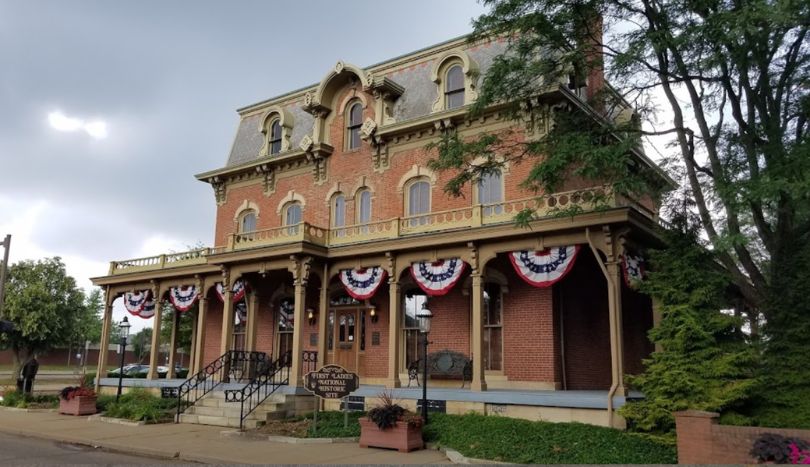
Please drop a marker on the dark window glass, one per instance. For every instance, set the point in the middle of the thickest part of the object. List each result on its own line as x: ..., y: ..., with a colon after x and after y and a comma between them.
x: 490, y: 192
x: 275, y: 137
x: 293, y: 218
x: 364, y: 207
x: 339, y: 211
x: 355, y: 122
x: 493, y: 327
x: 248, y: 223
x: 413, y: 304
x: 454, y: 87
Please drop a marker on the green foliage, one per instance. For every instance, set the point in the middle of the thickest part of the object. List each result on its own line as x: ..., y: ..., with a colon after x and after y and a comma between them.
x: 140, y: 342
x: 521, y: 441
x: 184, y: 327
x: 330, y: 425
x: 29, y: 401
x: 139, y: 405
x: 45, y: 306
x: 705, y: 363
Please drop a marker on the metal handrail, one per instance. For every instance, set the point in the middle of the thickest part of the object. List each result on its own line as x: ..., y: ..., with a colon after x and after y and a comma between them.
x: 267, y: 380
x: 232, y: 364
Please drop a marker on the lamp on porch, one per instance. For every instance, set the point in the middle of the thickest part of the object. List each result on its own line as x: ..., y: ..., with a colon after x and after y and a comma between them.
x: 372, y: 312
x: 124, y: 328
x: 424, y: 316
x: 311, y: 316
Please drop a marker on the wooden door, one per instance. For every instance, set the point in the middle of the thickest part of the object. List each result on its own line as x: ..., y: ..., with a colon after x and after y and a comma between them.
x: 346, y: 338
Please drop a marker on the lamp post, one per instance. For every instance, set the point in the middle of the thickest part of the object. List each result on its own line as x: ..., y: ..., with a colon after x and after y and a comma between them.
x: 424, y: 316
x: 124, y: 327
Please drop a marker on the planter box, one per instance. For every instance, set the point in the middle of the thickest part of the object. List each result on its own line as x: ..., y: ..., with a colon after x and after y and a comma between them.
x: 402, y: 437
x: 80, y: 405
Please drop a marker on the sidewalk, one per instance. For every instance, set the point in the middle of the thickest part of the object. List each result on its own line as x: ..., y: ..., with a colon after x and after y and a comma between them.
x: 198, y: 443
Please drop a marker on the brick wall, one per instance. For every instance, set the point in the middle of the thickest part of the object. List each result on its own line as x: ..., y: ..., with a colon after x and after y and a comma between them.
x: 702, y: 441
x: 266, y: 327
x: 375, y: 358
x: 450, y: 326
x: 582, y: 299
x: 637, y: 321
x: 531, y: 350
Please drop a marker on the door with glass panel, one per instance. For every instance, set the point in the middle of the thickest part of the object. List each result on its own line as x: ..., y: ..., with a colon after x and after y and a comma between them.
x: 346, y: 338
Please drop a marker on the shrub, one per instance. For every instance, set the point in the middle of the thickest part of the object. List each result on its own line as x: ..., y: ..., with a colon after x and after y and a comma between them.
x: 70, y: 392
x: 139, y: 405
x: 23, y: 401
x: 771, y: 447
x: 386, y: 414
x: 522, y: 441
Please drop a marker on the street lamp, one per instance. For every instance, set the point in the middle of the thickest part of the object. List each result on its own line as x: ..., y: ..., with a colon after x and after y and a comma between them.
x: 124, y: 327
x: 424, y: 315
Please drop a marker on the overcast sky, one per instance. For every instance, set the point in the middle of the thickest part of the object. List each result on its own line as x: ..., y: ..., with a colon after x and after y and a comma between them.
x: 109, y: 108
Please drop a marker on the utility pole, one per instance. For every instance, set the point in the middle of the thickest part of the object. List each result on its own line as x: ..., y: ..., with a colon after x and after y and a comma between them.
x: 4, y: 272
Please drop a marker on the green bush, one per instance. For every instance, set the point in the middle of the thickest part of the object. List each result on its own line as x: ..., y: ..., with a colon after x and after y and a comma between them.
x: 522, y: 441
x: 330, y: 425
x: 139, y: 405
x: 22, y: 401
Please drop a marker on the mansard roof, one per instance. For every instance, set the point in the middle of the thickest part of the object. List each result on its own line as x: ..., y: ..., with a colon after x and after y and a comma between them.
x: 411, y: 71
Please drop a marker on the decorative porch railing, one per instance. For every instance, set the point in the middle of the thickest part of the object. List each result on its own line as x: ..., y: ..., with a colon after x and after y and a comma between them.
x: 583, y: 200
x: 267, y: 380
x: 232, y: 365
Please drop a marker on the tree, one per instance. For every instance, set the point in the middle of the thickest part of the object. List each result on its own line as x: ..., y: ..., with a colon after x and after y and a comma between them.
x: 45, y: 306
x: 705, y: 363
x: 730, y: 80
x: 184, y: 327
x: 140, y: 343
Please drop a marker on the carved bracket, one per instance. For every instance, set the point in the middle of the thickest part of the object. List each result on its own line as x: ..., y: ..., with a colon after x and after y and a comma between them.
x: 300, y: 267
x: 268, y: 174
x: 219, y: 190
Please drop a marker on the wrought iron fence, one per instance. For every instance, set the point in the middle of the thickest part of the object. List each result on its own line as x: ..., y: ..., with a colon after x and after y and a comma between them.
x: 309, y: 360
x: 268, y: 378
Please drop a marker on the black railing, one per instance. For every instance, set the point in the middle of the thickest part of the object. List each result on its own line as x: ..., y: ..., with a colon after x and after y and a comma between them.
x: 234, y: 365
x: 268, y: 378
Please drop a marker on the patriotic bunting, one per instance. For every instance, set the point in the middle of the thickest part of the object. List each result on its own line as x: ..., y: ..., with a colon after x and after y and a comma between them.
x: 362, y: 283
x: 149, y: 306
x: 238, y: 291
x: 544, y: 268
x: 183, y: 298
x: 134, y: 301
x: 633, y: 267
x: 437, y: 278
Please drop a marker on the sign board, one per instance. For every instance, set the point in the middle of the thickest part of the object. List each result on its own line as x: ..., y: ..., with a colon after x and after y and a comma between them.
x: 432, y: 405
x: 169, y: 392
x: 331, y: 382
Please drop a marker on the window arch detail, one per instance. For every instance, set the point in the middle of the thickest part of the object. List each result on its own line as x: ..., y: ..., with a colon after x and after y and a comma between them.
x: 469, y: 74
x: 245, y: 209
x: 278, y: 141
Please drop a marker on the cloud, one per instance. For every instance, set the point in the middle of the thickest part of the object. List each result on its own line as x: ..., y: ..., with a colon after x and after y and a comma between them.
x: 61, y: 122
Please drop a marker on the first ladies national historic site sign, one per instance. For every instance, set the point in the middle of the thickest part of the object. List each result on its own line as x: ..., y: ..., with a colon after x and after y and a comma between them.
x: 331, y: 382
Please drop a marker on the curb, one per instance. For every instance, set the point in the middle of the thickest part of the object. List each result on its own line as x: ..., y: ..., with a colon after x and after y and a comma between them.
x: 285, y: 439
x: 116, y: 421
x: 18, y: 409
x: 459, y: 458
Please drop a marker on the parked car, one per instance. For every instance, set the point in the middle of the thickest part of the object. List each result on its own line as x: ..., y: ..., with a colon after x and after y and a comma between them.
x: 141, y: 371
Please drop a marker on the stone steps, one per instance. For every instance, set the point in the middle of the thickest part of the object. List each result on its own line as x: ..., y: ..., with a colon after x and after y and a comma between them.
x: 214, y: 410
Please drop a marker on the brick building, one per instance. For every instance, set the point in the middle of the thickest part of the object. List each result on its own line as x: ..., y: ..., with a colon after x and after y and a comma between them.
x: 329, y: 184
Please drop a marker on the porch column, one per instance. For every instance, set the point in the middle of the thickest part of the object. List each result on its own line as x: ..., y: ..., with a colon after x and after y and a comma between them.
x: 615, y: 322
x: 296, y: 371
x: 154, y: 351
x: 478, y: 379
x: 192, y: 349
x: 199, y: 341
x: 227, y: 320
x: 394, y: 318
x: 252, y: 310
x: 106, y: 324
x: 323, y: 318
x: 173, y: 343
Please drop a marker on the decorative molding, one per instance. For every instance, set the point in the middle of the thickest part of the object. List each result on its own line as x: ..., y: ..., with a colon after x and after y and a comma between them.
x: 268, y: 174
x: 245, y: 206
x: 416, y: 171
x: 300, y: 267
x: 468, y: 66
x: 219, y: 190
x: 291, y: 196
x: 286, y: 121
x: 367, y: 131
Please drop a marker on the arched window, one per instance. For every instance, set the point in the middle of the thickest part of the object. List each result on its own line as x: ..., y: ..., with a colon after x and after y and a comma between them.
x: 275, y: 137
x: 490, y: 192
x: 339, y: 214
x: 493, y: 327
x: 454, y: 87
x: 355, y: 121
x: 292, y: 217
x: 412, y: 304
x: 364, y: 206
x: 247, y: 222
x: 418, y: 201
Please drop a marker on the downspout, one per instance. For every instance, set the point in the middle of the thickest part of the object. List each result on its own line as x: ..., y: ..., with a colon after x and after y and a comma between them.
x: 615, y: 383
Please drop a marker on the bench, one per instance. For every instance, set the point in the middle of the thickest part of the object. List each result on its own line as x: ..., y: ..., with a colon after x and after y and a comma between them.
x: 444, y: 364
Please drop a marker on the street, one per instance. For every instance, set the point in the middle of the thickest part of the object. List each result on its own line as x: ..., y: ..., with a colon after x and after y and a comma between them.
x: 22, y: 450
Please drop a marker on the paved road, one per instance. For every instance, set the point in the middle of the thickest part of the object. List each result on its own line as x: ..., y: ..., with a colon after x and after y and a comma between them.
x: 21, y: 450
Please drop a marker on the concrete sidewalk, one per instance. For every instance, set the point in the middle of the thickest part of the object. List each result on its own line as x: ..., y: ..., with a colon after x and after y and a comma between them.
x: 198, y: 443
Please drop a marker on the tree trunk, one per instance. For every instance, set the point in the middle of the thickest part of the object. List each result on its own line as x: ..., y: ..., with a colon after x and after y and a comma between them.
x: 21, y: 357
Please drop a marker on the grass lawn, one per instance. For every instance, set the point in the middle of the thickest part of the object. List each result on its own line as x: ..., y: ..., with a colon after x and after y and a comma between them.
x: 521, y: 441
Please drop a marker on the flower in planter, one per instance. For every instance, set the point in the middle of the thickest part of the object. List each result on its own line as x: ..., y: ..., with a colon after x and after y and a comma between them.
x: 387, y: 413
x: 71, y: 392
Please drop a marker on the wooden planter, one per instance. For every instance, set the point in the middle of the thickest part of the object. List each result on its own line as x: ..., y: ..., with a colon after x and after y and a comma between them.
x: 402, y: 437
x: 79, y: 405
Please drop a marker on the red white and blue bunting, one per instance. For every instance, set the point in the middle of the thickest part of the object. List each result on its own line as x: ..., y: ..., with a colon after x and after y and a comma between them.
x: 633, y: 267
x: 149, y: 306
x: 544, y: 268
x: 362, y: 283
x: 438, y: 277
x: 183, y: 298
x: 141, y: 304
x: 237, y: 291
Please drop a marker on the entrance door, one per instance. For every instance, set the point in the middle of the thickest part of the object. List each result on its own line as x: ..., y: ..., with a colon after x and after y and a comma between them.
x: 346, y: 338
